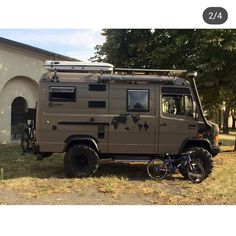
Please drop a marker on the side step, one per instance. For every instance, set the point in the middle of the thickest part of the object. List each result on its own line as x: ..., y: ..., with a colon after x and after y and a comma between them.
x: 128, y: 158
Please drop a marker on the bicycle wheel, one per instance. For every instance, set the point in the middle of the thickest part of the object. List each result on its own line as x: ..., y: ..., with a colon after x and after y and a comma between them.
x: 157, y: 169
x: 195, y: 172
x: 25, y: 141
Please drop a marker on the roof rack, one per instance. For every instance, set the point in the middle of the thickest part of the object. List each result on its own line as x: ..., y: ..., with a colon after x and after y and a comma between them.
x: 170, y: 72
x: 136, y: 79
x: 77, y: 66
x: 107, y: 68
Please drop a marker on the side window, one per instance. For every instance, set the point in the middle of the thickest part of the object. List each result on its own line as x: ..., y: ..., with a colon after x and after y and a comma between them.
x: 138, y: 100
x: 177, y: 105
x: 62, y: 94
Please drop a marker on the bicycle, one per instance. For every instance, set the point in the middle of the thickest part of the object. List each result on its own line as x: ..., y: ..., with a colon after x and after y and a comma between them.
x: 28, y: 134
x: 160, y: 167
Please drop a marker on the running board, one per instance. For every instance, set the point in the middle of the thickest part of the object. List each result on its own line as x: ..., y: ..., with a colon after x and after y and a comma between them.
x: 131, y: 158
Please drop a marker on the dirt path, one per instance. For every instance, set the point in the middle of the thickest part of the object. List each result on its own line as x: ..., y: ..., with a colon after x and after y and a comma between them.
x: 87, y: 195
x: 27, y: 181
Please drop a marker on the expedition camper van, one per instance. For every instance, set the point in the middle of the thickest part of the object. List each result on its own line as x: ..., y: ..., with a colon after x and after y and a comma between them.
x: 92, y: 111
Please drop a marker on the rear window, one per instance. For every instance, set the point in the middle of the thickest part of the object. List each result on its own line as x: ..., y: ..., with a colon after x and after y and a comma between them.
x: 62, y: 94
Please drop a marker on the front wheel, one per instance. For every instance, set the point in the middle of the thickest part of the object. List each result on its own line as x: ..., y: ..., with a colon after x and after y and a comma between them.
x: 195, y: 172
x: 201, y: 156
x: 157, y: 169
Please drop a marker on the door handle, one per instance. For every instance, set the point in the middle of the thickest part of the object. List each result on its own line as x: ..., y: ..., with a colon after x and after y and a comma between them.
x: 163, y: 124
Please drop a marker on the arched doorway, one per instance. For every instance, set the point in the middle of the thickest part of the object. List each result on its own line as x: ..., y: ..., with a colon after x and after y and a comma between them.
x: 18, y: 109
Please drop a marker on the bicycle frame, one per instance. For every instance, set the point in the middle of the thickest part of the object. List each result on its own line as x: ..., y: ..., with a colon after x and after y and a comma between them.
x: 174, y: 162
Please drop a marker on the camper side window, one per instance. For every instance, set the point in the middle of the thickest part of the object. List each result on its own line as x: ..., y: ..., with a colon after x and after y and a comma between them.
x: 62, y: 94
x: 138, y: 100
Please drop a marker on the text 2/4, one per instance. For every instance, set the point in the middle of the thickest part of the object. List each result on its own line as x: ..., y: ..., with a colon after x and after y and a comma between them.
x: 215, y: 15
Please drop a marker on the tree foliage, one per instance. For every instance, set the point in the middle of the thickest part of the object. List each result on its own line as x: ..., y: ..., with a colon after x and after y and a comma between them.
x: 210, y: 52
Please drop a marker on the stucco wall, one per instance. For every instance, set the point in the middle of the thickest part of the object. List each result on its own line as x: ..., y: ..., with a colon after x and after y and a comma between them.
x: 20, y: 72
x: 16, y: 87
x: 15, y: 62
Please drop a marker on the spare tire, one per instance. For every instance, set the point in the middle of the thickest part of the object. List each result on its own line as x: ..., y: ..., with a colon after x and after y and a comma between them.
x: 200, y: 155
x: 80, y: 161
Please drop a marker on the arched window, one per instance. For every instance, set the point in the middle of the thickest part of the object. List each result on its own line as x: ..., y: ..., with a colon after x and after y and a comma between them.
x: 18, y: 109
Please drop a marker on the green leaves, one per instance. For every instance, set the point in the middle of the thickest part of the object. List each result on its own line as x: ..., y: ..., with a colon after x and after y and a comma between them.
x: 211, y: 52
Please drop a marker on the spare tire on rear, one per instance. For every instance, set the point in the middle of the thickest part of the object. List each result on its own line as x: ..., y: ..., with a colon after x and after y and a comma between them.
x: 80, y: 161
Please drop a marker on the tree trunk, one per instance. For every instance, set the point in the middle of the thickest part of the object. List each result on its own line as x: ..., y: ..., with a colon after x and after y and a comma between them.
x: 235, y: 143
x: 233, y: 124
x: 226, y: 121
x: 220, y: 120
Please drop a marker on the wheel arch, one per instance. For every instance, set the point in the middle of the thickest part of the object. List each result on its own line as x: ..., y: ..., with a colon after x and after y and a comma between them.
x: 81, y: 139
x: 203, y: 143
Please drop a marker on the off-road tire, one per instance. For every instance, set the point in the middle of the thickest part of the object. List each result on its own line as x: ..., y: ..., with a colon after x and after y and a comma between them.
x: 80, y: 161
x: 200, y: 155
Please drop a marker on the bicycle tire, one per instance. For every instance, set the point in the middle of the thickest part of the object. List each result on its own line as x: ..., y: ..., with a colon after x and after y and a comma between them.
x: 195, y: 172
x: 157, y: 169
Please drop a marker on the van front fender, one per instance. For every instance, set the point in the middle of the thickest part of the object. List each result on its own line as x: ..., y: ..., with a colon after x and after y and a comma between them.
x: 189, y: 142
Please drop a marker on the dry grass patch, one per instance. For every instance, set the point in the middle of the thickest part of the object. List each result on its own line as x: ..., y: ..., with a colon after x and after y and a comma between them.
x: 31, y: 179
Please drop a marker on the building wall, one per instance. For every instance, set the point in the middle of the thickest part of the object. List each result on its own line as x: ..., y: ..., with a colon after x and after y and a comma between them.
x: 20, y: 71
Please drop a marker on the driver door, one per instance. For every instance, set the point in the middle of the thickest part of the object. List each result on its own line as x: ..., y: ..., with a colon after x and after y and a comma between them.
x: 177, y: 121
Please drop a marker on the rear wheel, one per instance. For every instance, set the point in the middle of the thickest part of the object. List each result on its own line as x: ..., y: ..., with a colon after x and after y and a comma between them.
x: 200, y: 155
x: 195, y: 172
x: 80, y: 161
x: 157, y: 169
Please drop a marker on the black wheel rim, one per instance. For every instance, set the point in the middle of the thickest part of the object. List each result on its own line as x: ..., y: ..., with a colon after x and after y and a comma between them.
x: 81, y: 162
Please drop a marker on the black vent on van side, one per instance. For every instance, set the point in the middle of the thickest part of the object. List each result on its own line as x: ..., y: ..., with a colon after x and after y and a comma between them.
x: 97, y: 87
x: 175, y: 90
x: 97, y: 104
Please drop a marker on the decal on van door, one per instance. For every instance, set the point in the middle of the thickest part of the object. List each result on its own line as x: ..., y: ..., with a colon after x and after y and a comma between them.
x: 126, y: 119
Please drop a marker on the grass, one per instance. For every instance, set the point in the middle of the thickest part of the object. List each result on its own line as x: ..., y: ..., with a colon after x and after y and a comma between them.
x: 25, y: 178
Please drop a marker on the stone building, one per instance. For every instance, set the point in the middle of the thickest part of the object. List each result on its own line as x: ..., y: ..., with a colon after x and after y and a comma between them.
x: 21, y: 67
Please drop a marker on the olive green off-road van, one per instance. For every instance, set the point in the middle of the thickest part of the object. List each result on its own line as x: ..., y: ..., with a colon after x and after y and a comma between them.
x: 94, y: 111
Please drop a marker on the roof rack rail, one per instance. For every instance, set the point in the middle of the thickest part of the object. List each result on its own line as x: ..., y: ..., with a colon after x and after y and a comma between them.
x: 136, y: 79
x: 134, y: 71
x: 78, y: 66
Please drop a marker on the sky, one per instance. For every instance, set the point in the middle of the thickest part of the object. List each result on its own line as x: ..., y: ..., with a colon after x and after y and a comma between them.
x: 76, y: 43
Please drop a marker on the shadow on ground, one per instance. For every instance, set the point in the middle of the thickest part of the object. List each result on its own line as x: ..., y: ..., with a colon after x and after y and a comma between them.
x: 15, y: 165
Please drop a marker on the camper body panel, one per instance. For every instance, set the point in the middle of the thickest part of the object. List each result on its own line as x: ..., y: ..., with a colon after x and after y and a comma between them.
x: 132, y: 130
x: 58, y: 120
x: 106, y: 112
